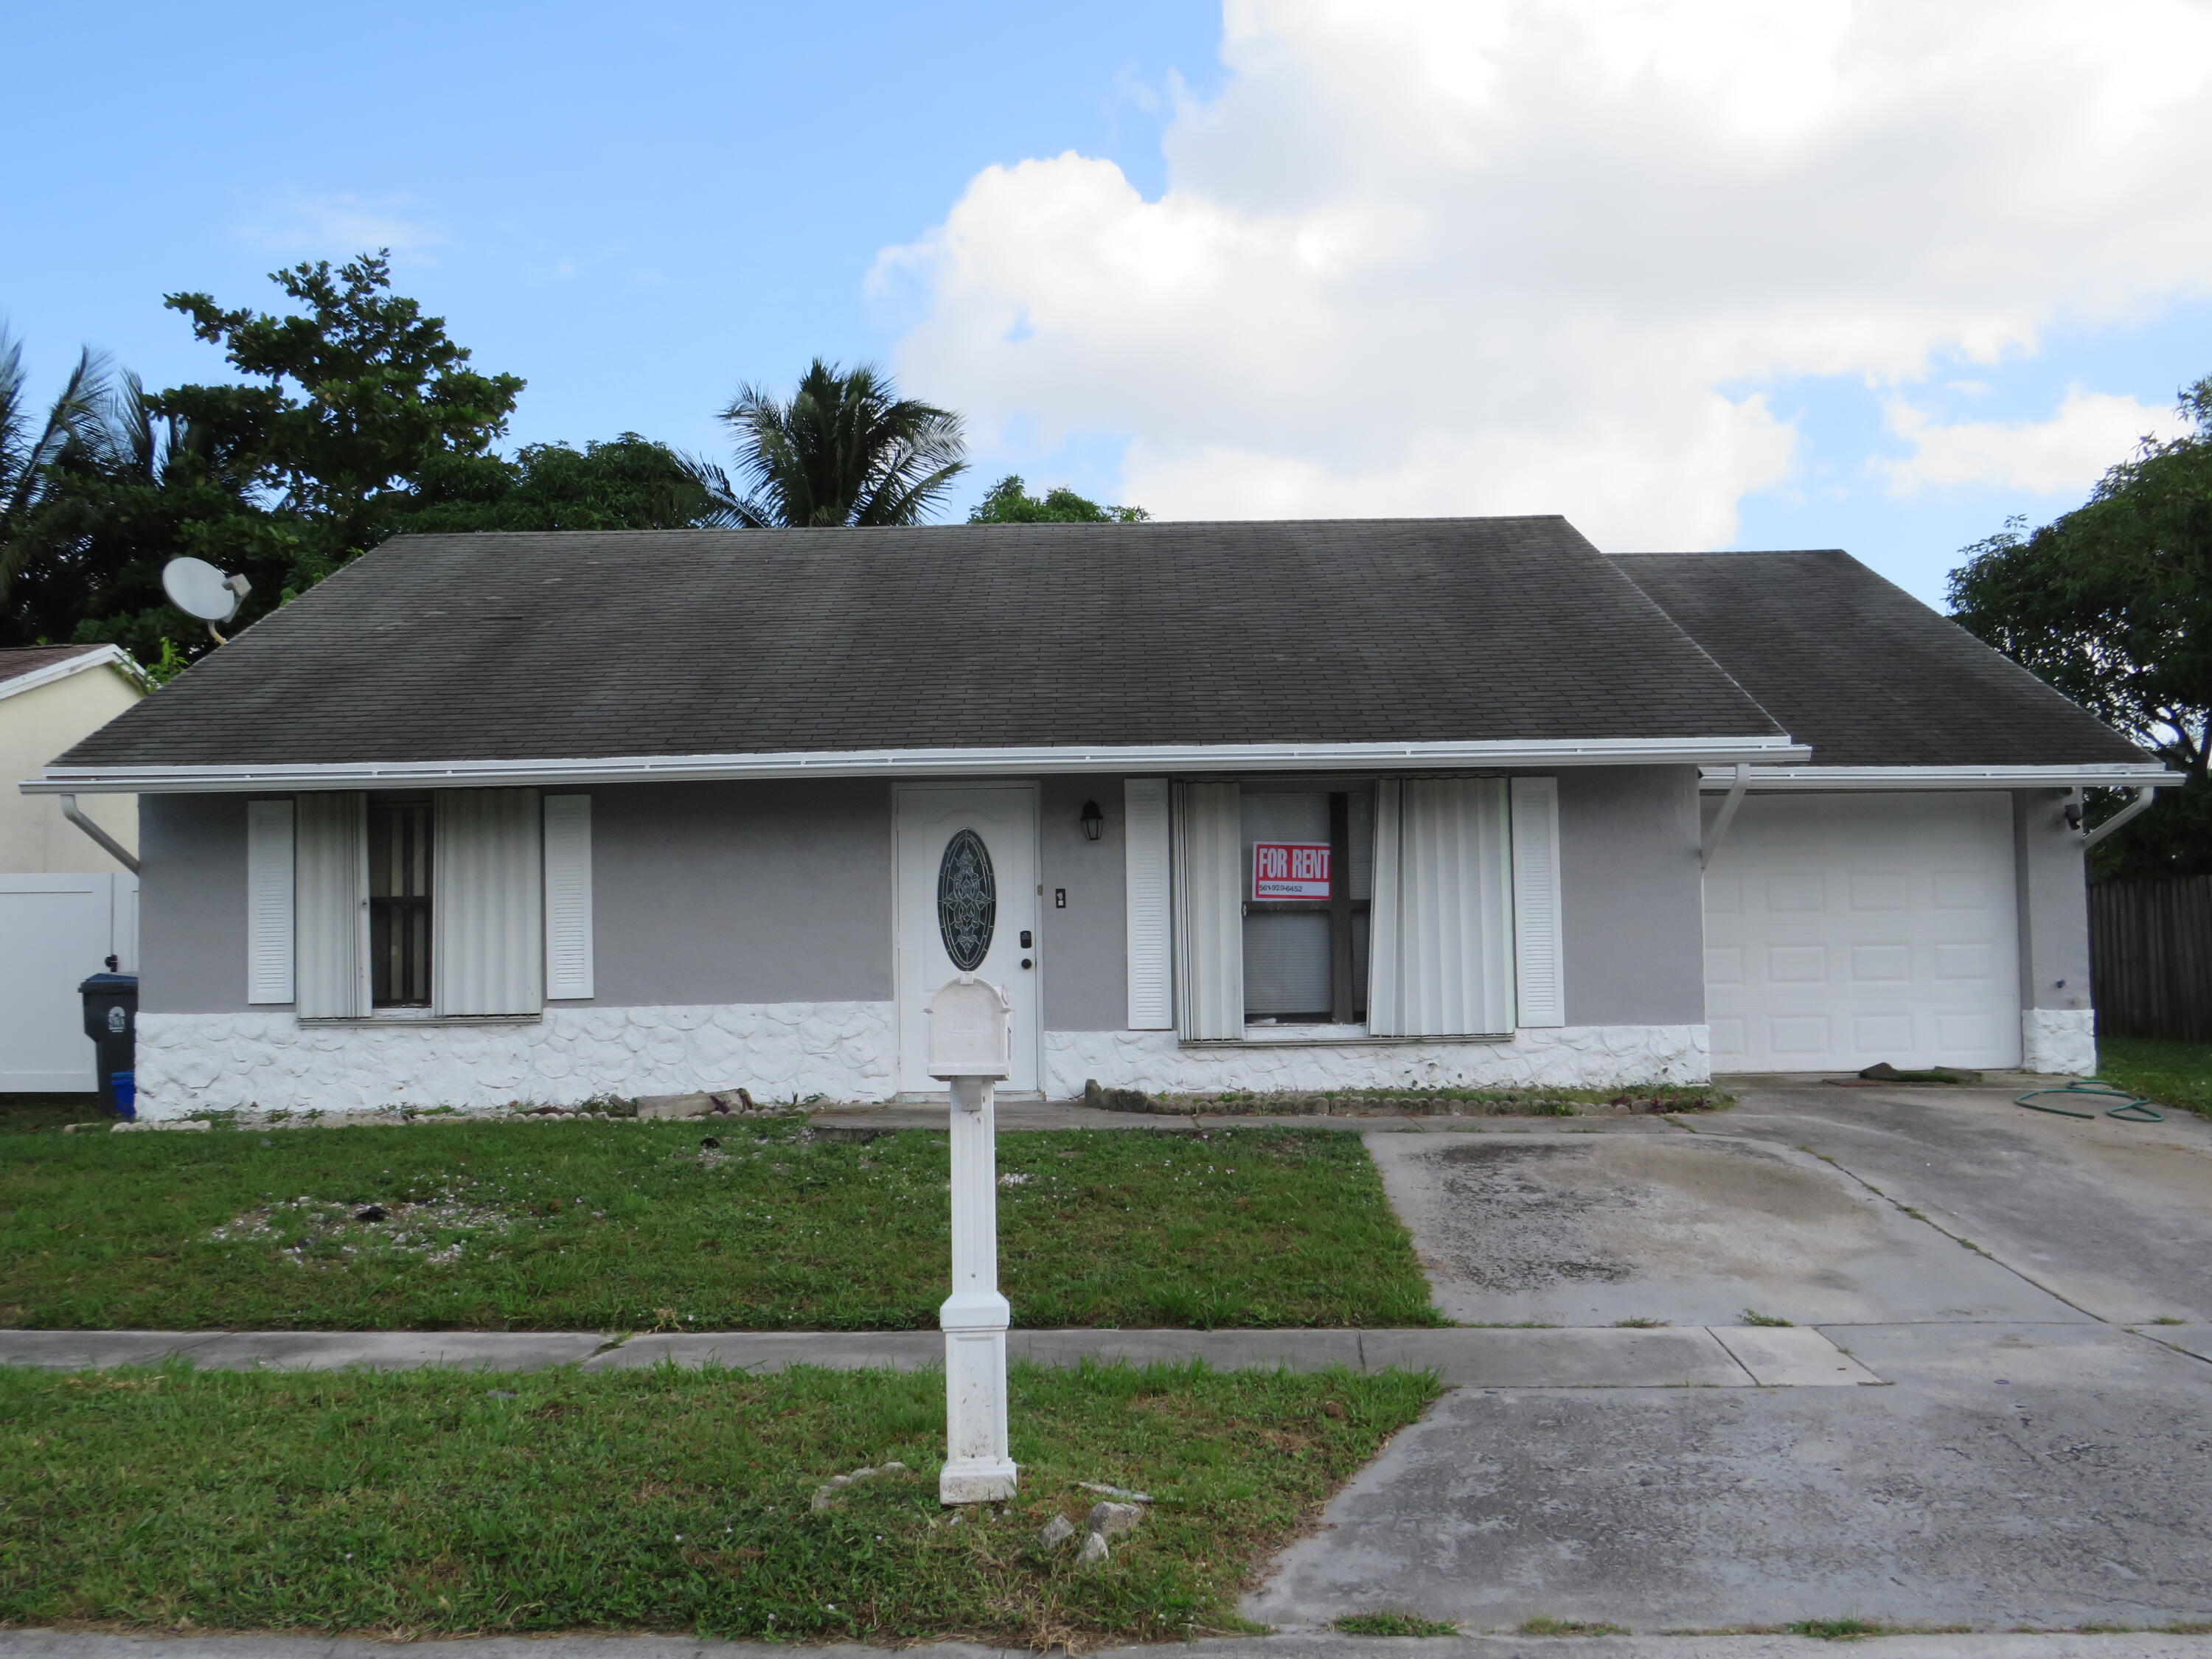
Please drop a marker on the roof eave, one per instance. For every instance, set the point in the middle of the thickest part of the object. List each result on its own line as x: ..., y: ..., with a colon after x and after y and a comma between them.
x: 917, y: 763
x: 2123, y: 775
x: 106, y: 656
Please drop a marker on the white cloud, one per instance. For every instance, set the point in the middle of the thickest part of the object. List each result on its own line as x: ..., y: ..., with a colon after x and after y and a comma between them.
x: 342, y: 226
x: 1517, y: 255
x: 2064, y: 454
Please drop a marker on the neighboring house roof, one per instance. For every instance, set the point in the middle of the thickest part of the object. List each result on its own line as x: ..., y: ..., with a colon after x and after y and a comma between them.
x: 25, y: 667
x: 1862, y: 671
x: 497, y: 648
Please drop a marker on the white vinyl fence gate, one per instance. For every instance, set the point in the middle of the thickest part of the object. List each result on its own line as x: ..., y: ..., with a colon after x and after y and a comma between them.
x: 54, y: 931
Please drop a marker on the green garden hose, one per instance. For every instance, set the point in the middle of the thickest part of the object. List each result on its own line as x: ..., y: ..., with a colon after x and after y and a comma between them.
x: 2135, y: 1109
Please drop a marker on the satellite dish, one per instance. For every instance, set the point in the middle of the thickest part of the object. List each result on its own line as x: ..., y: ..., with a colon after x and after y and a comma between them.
x: 199, y: 589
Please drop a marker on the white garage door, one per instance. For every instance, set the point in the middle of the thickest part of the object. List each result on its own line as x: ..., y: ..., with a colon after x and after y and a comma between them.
x: 1841, y: 930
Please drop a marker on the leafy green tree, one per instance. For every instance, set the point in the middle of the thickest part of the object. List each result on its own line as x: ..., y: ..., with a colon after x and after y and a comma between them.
x: 349, y: 408
x: 628, y: 482
x: 1008, y: 502
x: 2113, y: 604
x: 128, y: 491
x: 31, y: 440
x: 846, y: 449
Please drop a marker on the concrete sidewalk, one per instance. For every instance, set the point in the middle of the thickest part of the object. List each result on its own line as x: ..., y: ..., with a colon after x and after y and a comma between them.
x: 1688, y: 1357
x: 96, y: 1645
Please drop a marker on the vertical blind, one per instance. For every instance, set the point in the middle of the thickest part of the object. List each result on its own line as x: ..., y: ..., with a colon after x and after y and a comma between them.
x: 1209, y: 911
x: 488, y: 956
x: 331, y: 906
x: 1441, y: 959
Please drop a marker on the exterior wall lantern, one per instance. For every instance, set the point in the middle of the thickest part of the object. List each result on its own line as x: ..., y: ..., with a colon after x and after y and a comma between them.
x: 1093, y: 821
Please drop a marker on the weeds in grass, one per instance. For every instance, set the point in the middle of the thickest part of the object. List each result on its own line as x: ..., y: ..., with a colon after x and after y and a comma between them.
x: 1545, y: 1625
x: 1752, y: 1316
x: 1638, y: 1324
x: 1394, y: 1624
x: 578, y: 1224
x: 440, y: 1503
x: 1835, y: 1630
x: 2177, y: 1074
x: 2168, y: 1319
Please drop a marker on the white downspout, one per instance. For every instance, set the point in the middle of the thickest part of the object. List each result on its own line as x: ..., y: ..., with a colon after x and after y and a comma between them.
x: 1722, y: 819
x: 114, y: 848
x: 2136, y: 808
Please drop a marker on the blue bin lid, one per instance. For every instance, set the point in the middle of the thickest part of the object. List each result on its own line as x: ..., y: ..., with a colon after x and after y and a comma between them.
x: 110, y: 982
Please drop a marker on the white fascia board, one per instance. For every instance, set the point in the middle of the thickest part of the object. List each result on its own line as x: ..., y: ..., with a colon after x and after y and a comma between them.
x: 1184, y: 758
x: 1717, y: 780
x: 108, y: 656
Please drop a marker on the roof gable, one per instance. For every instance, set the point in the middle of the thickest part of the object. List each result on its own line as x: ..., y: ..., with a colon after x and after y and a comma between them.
x: 1863, y: 671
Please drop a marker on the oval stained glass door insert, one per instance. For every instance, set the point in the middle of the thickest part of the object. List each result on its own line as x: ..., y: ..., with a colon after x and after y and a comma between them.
x: 966, y: 900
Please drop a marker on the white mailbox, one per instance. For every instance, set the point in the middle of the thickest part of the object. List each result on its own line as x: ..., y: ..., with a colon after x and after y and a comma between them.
x: 970, y: 1030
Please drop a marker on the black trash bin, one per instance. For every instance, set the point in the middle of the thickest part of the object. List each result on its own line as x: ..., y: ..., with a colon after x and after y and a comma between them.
x: 111, y: 1020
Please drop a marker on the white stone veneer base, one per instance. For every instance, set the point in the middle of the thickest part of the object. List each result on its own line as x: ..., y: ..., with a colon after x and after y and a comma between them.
x: 201, y: 1062
x: 2060, y: 1041
x: 1574, y: 1056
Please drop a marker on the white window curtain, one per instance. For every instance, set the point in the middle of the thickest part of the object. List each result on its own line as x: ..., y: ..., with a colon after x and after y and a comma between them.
x: 1540, y: 981
x: 1441, y: 962
x: 569, y: 896
x: 331, y: 923
x: 269, y: 901
x: 1148, y: 886
x: 486, y: 910
x: 1209, y: 892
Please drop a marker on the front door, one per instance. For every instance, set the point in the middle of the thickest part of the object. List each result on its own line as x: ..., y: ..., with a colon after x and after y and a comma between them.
x: 967, y: 901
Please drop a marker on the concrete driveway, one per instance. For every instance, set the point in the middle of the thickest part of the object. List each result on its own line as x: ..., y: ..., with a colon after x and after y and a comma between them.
x: 2042, y: 1456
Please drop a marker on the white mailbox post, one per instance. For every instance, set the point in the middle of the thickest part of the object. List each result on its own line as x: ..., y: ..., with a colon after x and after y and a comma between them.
x: 970, y: 1026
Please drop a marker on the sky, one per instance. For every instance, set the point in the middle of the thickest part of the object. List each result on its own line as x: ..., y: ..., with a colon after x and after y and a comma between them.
x: 1695, y: 273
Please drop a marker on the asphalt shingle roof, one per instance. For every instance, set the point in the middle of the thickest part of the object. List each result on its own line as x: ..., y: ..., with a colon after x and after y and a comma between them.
x: 588, y: 645
x: 1862, y: 671
x: 17, y: 660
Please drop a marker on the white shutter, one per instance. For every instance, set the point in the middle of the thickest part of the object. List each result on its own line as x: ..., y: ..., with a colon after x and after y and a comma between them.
x: 568, y: 895
x: 1440, y: 954
x: 1147, y: 881
x: 1538, y: 958
x: 487, y: 955
x: 331, y: 917
x: 269, y: 901
x: 1209, y: 846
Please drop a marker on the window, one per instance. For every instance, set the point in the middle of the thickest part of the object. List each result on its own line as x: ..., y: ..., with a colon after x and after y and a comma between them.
x: 1308, y: 874
x: 399, y: 855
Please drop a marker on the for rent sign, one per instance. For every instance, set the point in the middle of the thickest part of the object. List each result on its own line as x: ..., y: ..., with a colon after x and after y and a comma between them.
x: 1290, y: 870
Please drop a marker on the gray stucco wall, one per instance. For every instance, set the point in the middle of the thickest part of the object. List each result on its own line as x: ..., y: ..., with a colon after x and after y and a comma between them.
x: 191, y: 904
x: 1086, y: 945
x: 1633, y: 896
x: 743, y: 892
x: 2054, y: 901
x: 783, y: 892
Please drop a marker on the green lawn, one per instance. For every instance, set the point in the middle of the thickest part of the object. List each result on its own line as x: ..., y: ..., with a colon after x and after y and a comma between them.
x: 438, y: 1503
x: 577, y: 1226
x: 2172, y: 1073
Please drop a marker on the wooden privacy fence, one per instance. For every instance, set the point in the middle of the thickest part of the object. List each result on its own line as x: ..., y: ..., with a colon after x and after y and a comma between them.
x: 2150, y: 944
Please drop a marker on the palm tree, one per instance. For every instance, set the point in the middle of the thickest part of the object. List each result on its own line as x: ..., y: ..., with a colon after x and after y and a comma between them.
x: 847, y: 449
x: 29, y: 445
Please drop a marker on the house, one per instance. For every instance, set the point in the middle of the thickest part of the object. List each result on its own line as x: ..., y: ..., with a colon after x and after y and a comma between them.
x: 67, y: 895
x: 1254, y: 806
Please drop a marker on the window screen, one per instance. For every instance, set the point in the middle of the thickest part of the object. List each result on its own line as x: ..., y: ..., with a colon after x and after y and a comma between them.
x: 1305, y: 918
x: 399, y: 902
